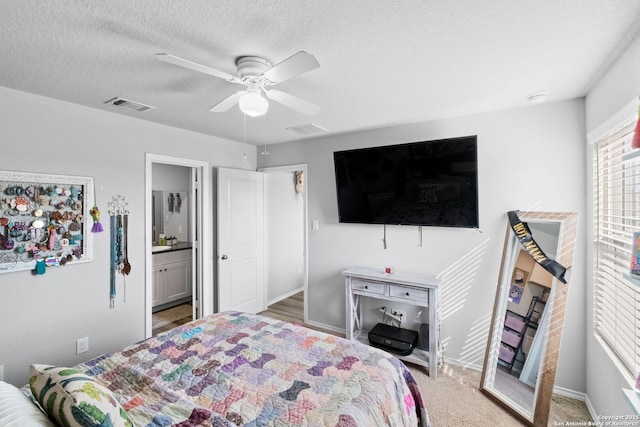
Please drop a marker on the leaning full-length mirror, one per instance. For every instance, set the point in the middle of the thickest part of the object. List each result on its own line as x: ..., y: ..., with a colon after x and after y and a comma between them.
x: 526, y: 327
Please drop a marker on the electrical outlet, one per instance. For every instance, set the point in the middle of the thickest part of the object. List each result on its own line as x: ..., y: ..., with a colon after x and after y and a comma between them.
x: 401, y: 314
x: 82, y: 345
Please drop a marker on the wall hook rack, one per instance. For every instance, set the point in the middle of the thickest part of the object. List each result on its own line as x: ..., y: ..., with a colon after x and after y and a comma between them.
x: 119, y: 225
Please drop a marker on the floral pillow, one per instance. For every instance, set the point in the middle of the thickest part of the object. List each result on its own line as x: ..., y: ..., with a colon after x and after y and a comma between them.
x: 74, y: 399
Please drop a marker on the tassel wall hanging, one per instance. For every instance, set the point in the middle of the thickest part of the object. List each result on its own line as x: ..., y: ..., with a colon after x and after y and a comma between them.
x: 119, y: 223
x: 95, y: 214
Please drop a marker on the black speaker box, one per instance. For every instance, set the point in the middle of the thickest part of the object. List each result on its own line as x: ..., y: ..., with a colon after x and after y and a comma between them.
x: 393, y: 339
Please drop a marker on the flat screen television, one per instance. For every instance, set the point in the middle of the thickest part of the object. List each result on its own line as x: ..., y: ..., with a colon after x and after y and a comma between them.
x: 427, y: 183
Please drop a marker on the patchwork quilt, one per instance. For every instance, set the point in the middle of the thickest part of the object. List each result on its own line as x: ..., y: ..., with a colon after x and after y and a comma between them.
x: 235, y: 368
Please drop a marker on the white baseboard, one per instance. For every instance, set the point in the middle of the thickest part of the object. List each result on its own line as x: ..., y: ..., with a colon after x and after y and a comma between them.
x: 561, y: 391
x: 326, y: 327
x: 285, y: 296
x: 584, y: 397
x: 466, y: 365
x: 590, y: 408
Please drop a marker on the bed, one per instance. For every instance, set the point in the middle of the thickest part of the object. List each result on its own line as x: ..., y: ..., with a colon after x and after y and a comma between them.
x: 233, y: 369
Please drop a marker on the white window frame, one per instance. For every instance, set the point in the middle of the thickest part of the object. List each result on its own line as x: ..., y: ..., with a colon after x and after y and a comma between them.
x: 616, y: 214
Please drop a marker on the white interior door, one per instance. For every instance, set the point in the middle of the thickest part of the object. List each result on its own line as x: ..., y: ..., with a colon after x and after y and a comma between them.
x: 195, y: 211
x: 240, y: 241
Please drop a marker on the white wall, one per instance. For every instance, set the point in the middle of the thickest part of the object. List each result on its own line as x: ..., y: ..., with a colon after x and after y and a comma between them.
x: 529, y: 158
x: 615, y: 89
x: 42, y: 316
x: 284, y: 235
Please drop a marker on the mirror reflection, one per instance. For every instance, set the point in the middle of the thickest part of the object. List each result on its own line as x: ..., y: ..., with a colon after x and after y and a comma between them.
x: 524, y: 320
x: 519, y: 340
x: 170, y: 216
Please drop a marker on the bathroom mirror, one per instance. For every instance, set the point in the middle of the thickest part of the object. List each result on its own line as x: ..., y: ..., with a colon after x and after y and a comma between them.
x: 170, y: 214
x: 526, y: 326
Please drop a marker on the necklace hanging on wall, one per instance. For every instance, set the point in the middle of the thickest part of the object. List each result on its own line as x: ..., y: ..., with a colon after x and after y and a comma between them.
x: 119, y: 224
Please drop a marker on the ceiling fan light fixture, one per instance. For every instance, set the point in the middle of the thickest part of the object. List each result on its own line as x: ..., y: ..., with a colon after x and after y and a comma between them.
x: 253, y: 104
x: 256, y: 74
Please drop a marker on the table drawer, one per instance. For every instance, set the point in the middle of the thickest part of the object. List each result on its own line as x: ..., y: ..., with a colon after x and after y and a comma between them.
x: 368, y: 287
x: 412, y: 294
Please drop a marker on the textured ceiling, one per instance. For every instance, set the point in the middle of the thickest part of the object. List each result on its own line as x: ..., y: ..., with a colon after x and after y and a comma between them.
x: 383, y: 62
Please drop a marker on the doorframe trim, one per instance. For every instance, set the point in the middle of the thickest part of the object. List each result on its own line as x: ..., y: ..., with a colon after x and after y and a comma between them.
x: 206, y: 243
x: 305, y: 276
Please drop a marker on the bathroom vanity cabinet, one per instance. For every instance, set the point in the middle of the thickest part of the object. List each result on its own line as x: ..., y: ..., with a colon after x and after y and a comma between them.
x: 171, y: 277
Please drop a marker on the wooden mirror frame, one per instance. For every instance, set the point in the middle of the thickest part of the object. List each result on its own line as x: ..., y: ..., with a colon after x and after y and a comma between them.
x: 568, y: 222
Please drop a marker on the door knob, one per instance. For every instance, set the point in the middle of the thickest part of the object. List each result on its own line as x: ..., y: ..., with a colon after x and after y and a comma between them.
x: 223, y: 257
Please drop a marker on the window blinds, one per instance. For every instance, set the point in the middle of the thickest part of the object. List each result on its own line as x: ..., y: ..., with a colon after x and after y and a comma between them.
x: 616, y: 216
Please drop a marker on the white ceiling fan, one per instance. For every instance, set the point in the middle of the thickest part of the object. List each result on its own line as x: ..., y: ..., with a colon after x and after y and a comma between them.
x: 256, y: 74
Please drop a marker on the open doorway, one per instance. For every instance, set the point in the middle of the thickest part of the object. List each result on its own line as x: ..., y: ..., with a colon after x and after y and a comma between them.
x: 178, y: 241
x: 286, y: 275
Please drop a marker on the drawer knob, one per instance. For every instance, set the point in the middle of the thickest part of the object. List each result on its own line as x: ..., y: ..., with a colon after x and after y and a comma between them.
x: 407, y: 294
x: 366, y: 287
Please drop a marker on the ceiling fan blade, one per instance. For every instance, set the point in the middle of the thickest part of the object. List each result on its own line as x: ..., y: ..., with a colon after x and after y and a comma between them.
x: 294, y: 65
x: 197, y: 67
x: 227, y: 103
x: 293, y: 102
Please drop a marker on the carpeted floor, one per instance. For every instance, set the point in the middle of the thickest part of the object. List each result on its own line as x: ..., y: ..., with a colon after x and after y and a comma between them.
x: 454, y: 399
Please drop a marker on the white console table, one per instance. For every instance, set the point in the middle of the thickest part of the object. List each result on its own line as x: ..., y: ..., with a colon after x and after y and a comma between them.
x: 403, y: 287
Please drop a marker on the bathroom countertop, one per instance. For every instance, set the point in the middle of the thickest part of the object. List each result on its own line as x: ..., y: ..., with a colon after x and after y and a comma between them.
x: 177, y: 247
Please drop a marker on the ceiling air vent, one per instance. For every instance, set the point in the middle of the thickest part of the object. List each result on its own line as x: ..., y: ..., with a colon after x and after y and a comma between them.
x: 308, y: 129
x: 129, y: 105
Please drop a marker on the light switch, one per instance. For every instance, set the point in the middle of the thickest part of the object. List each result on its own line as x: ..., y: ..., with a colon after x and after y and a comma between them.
x: 314, y: 225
